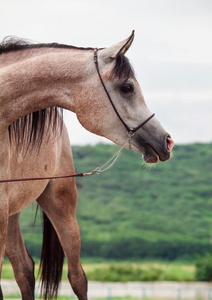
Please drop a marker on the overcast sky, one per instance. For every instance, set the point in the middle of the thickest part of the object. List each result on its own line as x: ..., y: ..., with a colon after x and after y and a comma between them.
x: 171, y: 53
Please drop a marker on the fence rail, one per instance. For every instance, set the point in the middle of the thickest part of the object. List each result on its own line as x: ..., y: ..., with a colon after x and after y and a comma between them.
x: 156, y: 290
x: 136, y: 290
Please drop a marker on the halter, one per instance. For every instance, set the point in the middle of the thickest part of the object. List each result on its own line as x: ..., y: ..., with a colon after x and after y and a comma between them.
x: 106, y: 166
x: 130, y: 131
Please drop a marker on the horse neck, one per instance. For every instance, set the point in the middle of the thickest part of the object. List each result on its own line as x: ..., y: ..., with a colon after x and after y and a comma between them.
x: 34, y: 82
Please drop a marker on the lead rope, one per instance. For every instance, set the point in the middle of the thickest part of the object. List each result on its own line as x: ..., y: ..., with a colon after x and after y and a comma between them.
x: 113, y: 159
x: 98, y: 170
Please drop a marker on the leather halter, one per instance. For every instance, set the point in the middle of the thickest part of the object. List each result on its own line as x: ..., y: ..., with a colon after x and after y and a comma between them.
x: 130, y: 131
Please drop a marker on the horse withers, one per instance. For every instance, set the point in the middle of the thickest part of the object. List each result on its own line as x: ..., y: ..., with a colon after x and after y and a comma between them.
x: 107, y: 101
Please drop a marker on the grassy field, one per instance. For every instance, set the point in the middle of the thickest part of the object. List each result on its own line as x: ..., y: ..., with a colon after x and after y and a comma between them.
x: 126, y: 271
x: 66, y: 298
x: 176, y: 271
x: 14, y: 297
x: 19, y: 297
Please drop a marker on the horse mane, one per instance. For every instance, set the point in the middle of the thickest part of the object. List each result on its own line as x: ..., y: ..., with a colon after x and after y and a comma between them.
x: 30, y: 130
x: 122, y: 69
x: 10, y: 44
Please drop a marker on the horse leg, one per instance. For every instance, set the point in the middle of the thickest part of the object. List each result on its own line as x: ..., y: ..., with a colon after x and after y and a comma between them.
x: 22, y: 263
x: 3, y: 234
x: 58, y: 202
x: 1, y: 294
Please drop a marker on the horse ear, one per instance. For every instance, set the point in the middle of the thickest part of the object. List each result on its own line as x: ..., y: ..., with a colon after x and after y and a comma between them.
x: 120, y: 48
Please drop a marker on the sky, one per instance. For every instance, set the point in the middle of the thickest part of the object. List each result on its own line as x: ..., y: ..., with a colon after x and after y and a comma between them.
x: 171, y: 53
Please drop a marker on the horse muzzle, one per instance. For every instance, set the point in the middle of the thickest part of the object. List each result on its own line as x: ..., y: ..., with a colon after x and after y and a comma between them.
x: 154, y: 150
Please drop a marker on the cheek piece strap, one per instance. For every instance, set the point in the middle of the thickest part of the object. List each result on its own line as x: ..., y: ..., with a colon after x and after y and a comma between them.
x: 130, y: 131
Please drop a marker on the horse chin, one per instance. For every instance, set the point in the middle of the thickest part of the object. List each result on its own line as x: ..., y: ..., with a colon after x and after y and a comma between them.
x: 151, y: 157
x: 149, y: 154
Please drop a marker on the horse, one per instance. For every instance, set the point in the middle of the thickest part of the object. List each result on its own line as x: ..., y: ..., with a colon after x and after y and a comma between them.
x: 99, y: 85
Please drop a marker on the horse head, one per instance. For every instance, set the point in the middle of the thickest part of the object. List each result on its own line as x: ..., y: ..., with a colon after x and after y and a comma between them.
x: 126, y: 109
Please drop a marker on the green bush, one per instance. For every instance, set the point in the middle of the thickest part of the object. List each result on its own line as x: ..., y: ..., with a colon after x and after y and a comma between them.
x: 125, y: 273
x: 204, y: 268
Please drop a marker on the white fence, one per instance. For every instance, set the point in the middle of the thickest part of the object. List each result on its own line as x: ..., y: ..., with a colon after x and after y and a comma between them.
x: 136, y: 290
x: 156, y: 290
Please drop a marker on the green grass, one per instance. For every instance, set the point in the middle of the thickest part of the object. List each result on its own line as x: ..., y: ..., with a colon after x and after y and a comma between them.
x: 19, y: 297
x: 125, y: 271
x: 66, y: 298
x: 143, y: 271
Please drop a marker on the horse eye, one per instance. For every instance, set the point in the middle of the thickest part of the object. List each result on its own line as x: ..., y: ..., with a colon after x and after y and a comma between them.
x: 127, y: 88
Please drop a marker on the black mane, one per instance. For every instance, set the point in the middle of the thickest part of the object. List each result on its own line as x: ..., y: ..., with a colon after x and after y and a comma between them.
x: 29, y: 131
x: 122, y: 69
x: 14, y: 44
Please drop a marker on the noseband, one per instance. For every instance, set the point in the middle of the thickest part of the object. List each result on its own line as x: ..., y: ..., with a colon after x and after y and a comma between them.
x: 130, y: 131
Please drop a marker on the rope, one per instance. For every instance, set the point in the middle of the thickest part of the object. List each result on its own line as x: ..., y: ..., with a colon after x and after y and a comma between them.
x: 98, y: 170
x: 113, y: 159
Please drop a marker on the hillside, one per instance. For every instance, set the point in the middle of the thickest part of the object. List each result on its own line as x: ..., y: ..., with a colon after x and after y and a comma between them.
x: 133, y: 211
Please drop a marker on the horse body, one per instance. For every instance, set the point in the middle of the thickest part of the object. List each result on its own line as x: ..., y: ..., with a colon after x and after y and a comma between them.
x: 34, y: 78
x: 42, y: 165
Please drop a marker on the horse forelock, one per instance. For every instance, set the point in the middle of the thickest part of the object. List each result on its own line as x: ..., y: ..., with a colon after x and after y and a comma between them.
x: 122, y: 69
x: 29, y: 131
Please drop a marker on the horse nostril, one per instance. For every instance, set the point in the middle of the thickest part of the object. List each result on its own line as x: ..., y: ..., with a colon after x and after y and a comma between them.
x: 169, y: 143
